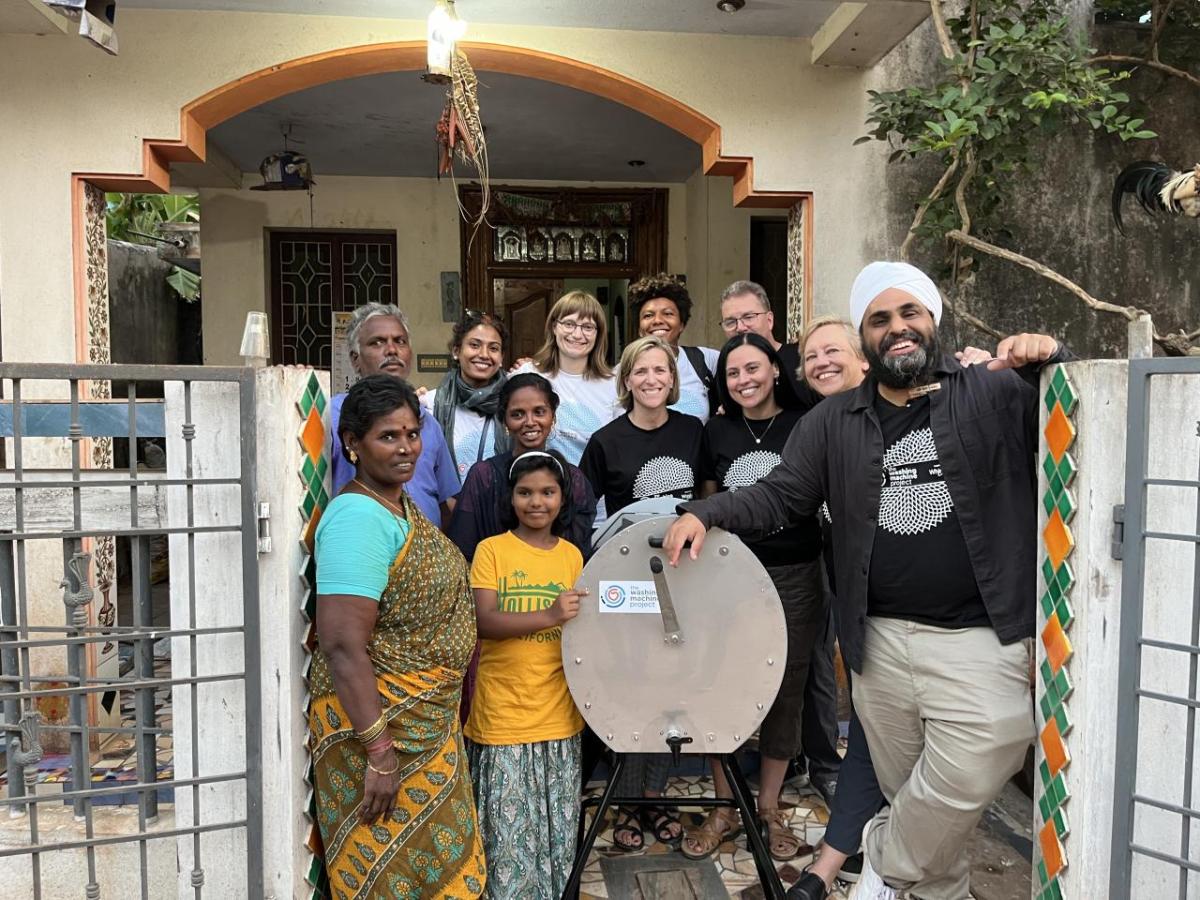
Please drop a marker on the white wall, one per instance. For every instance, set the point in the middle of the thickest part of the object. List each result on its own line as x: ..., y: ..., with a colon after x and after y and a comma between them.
x: 707, y: 239
x: 81, y: 110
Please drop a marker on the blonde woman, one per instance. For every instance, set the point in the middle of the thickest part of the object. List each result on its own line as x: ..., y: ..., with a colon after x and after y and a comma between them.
x: 572, y: 360
x: 651, y: 451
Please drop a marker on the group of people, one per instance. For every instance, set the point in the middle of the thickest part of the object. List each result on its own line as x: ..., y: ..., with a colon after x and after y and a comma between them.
x: 448, y: 754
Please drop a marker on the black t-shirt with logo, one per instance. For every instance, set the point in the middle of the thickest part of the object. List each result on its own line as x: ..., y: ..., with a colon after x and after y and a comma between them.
x: 625, y: 463
x: 734, y: 459
x: 920, y: 570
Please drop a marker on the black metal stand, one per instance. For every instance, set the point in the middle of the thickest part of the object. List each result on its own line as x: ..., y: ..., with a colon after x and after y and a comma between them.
x: 743, y: 802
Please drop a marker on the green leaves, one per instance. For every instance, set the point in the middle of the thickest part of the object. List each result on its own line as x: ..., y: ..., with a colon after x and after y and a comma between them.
x: 130, y: 217
x: 1017, y: 76
x: 185, y: 283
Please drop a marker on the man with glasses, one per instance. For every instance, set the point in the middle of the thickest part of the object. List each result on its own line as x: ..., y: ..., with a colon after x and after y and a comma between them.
x: 746, y: 308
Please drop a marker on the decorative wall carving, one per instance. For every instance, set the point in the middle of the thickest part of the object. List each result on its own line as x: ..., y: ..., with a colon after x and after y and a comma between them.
x: 795, y: 271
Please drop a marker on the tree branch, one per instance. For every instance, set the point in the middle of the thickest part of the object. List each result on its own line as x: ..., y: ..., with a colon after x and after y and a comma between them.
x: 925, y: 204
x: 1159, y: 18
x: 960, y: 193
x: 939, y: 23
x: 1128, y: 312
x: 1149, y: 63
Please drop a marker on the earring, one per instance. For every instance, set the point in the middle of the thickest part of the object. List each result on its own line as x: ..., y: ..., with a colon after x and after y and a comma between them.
x: 353, y: 458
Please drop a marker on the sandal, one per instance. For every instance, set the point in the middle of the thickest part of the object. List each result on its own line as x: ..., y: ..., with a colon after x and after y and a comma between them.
x: 720, y: 825
x: 659, y: 821
x: 781, y: 840
x: 627, y: 823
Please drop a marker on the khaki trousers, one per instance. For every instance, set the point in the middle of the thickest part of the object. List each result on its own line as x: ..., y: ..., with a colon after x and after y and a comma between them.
x: 948, y: 718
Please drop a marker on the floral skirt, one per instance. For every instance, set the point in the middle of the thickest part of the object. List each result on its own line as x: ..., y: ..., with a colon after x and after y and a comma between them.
x: 527, y: 796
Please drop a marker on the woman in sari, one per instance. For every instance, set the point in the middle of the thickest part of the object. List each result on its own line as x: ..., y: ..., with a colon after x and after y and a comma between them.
x: 396, y: 627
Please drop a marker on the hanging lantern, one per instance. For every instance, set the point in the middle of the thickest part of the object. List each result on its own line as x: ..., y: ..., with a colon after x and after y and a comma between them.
x: 286, y: 171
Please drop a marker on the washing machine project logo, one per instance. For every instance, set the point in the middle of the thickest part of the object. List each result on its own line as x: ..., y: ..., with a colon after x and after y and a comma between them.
x: 614, y: 597
x: 628, y: 597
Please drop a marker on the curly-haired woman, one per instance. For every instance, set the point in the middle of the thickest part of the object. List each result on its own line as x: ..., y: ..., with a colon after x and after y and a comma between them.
x: 662, y: 307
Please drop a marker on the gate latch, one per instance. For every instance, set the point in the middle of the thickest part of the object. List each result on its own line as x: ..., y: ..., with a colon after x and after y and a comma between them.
x: 1117, y: 550
x: 264, y: 527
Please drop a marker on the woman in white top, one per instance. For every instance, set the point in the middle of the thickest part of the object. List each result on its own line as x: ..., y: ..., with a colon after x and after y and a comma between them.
x: 662, y: 306
x: 465, y: 404
x: 572, y: 359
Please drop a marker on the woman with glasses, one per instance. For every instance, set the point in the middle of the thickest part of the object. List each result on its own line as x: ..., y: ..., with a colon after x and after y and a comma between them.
x: 465, y: 403
x: 572, y: 360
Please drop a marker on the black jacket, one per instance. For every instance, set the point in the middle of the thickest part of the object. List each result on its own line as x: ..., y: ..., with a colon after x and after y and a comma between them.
x: 984, y: 424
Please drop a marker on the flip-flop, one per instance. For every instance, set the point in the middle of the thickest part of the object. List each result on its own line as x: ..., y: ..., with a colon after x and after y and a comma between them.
x: 627, y: 821
x: 659, y: 821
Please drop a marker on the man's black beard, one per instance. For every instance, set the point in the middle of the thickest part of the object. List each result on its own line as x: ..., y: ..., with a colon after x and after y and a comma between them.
x: 909, y: 370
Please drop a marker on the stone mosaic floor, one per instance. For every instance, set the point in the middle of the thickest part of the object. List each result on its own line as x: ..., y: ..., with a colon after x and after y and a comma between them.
x: 733, y: 862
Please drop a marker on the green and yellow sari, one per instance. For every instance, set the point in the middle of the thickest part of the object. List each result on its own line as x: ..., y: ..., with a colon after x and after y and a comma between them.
x: 423, y: 639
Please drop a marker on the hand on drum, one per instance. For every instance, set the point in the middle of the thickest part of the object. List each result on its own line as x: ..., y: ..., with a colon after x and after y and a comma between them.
x: 687, y: 528
x: 379, y: 790
x: 566, y: 607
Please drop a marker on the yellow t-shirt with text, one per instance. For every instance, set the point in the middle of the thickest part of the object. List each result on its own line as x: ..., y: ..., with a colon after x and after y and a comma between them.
x: 521, y: 694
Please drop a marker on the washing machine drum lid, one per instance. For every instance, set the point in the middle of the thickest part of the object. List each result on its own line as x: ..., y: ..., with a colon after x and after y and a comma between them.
x: 696, y: 651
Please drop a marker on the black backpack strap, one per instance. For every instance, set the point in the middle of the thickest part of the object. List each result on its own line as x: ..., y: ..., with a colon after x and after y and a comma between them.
x: 696, y: 357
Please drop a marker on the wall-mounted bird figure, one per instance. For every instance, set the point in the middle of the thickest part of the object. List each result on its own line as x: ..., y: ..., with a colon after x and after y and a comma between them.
x: 1158, y: 188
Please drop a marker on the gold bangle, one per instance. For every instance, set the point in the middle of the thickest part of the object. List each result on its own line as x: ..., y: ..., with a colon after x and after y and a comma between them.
x: 392, y: 771
x: 375, y: 730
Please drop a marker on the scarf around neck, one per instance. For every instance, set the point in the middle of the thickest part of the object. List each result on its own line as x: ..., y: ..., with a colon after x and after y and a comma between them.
x: 453, y: 392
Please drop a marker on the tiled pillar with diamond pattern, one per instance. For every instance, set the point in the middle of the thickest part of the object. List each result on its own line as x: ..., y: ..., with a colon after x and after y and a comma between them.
x: 314, y: 467
x: 1054, y: 680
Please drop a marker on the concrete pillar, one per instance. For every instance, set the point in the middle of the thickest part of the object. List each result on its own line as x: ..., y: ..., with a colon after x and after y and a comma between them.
x: 291, y: 416
x: 1082, y: 417
x: 293, y: 421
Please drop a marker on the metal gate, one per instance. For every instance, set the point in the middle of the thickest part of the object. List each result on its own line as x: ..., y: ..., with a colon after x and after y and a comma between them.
x: 155, y: 798
x: 1156, y: 816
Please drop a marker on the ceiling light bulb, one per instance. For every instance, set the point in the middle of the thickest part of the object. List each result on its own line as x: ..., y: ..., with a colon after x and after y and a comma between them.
x: 730, y: 6
x: 444, y: 29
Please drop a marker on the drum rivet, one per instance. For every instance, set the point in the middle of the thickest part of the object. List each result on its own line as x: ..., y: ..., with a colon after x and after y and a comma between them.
x: 578, y: 660
x: 608, y: 737
x: 737, y: 737
x: 770, y: 662
x: 624, y: 551
x: 635, y: 736
x: 759, y: 705
x: 588, y: 705
x: 674, y: 639
x: 711, y: 736
x: 724, y: 551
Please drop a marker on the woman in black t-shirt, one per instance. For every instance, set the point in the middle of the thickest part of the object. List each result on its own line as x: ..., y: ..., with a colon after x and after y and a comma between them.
x: 740, y: 447
x: 651, y: 451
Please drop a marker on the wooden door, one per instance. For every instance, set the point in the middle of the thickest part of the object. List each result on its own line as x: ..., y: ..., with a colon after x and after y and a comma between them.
x: 526, y: 324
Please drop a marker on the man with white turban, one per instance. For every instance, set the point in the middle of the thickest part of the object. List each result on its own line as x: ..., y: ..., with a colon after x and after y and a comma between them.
x: 927, y: 472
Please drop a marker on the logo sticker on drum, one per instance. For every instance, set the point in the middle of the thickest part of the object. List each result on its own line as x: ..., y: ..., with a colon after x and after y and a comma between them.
x: 628, y: 597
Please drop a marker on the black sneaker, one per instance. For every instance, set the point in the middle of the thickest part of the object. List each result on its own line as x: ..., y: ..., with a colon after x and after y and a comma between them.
x: 851, y: 869
x: 809, y: 887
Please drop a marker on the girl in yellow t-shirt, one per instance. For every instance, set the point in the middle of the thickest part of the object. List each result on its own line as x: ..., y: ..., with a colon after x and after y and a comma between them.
x: 523, y: 731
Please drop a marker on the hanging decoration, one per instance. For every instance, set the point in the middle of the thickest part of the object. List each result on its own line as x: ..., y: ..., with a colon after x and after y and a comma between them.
x: 460, y: 133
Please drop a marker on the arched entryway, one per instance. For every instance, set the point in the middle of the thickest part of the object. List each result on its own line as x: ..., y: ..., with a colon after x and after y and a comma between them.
x: 259, y: 87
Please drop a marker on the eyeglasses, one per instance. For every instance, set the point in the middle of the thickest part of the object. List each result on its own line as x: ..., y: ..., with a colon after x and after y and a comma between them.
x: 746, y: 319
x: 566, y: 326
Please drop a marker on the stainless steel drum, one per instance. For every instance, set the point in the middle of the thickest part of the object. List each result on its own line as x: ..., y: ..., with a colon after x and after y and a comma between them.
x: 692, y: 655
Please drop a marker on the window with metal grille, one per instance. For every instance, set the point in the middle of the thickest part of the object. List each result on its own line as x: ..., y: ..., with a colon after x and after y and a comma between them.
x: 316, y: 273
